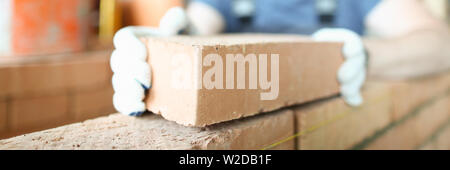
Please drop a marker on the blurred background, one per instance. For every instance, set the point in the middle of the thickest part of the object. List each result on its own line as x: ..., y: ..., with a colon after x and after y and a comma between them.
x: 54, y: 57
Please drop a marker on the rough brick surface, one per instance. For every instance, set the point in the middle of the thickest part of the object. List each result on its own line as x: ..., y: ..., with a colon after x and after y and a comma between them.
x: 38, y: 113
x: 332, y: 124
x: 300, y: 77
x: 93, y: 103
x: 153, y: 132
x: 412, y: 132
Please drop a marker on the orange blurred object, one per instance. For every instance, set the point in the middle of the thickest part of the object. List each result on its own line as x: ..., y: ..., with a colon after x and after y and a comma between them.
x: 49, y: 26
x: 110, y: 19
x: 146, y: 12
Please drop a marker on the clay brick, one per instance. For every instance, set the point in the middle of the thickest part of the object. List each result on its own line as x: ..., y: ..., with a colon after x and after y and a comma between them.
x: 4, y: 79
x: 442, y: 142
x: 93, y: 71
x: 53, y: 75
x: 153, y: 132
x: 300, y: 77
x: 410, y: 94
x: 332, y: 124
x: 439, y: 142
x: 398, y: 138
x: 94, y: 103
x: 412, y: 132
x: 38, y: 113
x: 430, y: 120
x: 3, y: 116
x: 38, y: 79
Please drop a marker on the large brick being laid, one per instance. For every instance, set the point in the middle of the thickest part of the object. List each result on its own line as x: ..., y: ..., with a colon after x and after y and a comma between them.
x: 153, y: 132
x: 195, y: 83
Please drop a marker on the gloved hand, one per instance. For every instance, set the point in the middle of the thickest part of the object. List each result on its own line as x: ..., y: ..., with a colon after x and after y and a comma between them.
x: 352, y: 73
x: 132, y: 74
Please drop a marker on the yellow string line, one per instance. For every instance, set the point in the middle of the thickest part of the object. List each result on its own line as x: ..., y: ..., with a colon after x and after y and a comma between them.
x: 321, y: 124
x: 306, y: 131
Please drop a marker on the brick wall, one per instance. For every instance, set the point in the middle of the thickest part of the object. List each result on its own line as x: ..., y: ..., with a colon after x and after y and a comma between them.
x: 424, y: 123
x: 332, y: 124
x: 50, y: 91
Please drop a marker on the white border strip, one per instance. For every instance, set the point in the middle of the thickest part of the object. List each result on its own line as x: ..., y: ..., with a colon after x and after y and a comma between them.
x: 5, y: 26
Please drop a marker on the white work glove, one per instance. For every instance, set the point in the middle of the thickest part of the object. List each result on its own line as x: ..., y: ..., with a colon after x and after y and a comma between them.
x: 132, y: 74
x: 352, y: 73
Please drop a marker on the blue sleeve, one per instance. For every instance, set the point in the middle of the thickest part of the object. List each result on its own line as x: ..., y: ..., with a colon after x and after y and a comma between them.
x: 351, y: 14
x: 366, y: 6
x: 224, y: 7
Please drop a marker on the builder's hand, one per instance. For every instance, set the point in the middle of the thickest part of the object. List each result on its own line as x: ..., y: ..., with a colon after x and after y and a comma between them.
x: 132, y: 74
x: 352, y: 73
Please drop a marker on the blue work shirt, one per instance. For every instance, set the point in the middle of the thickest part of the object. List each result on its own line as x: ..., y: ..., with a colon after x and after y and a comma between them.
x: 293, y: 16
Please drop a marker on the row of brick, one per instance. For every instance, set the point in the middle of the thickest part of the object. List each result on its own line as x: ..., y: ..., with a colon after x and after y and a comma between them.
x: 327, y: 124
x: 416, y: 128
x: 396, y: 115
x: 412, y: 93
x: 334, y: 125
x: 51, y: 91
x: 54, y: 74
